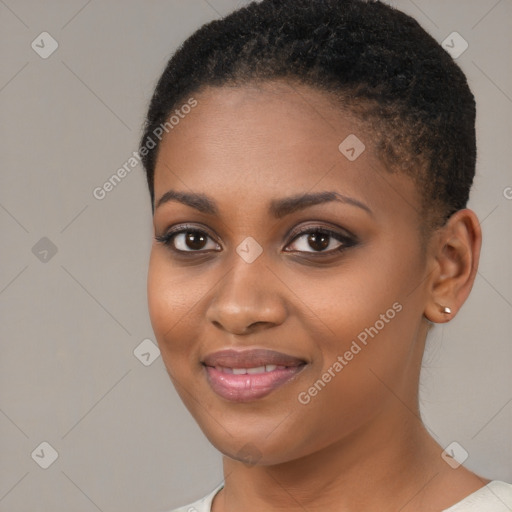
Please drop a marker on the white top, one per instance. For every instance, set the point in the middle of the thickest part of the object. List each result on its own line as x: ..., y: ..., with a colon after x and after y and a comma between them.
x: 496, y: 496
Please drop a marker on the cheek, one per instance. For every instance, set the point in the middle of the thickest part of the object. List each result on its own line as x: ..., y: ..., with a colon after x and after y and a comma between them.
x: 365, y: 328
x: 169, y: 300
x: 175, y: 298
x: 158, y: 296
x: 357, y: 299
x: 360, y: 373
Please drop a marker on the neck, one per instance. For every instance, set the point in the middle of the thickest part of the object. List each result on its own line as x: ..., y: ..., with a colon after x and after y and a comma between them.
x: 391, y: 463
x: 387, y: 462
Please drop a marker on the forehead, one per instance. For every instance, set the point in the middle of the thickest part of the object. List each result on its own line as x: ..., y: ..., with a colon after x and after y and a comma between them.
x: 289, y: 121
x: 256, y: 142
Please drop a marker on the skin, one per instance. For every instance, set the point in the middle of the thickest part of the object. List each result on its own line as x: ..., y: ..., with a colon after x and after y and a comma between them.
x: 359, y: 443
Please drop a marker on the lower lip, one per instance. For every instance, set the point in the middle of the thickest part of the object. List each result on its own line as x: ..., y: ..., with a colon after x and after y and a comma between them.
x: 247, y: 387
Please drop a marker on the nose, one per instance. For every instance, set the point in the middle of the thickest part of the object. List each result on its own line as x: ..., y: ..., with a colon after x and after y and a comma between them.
x: 247, y: 299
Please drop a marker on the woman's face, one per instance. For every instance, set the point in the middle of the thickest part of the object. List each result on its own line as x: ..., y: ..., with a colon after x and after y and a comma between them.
x: 320, y: 300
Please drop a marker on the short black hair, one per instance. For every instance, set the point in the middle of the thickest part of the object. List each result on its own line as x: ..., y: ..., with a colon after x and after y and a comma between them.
x: 378, y: 63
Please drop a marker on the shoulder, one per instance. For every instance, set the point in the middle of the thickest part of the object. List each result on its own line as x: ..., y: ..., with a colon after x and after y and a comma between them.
x: 202, y: 505
x: 496, y: 496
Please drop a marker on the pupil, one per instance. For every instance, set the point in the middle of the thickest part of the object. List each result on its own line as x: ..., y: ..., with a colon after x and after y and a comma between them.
x: 321, y: 240
x: 195, y: 240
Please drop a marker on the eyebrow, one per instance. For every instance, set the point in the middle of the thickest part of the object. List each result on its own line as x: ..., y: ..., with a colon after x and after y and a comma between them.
x: 278, y: 207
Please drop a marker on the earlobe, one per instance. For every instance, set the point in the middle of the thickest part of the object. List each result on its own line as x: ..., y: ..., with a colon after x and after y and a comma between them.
x: 455, y: 257
x: 443, y: 314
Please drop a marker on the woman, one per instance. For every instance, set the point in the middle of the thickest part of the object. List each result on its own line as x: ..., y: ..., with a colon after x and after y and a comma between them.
x: 309, y: 164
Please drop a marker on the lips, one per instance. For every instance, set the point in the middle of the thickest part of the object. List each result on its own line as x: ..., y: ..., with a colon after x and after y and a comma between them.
x: 250, y: 358
x: 247, y: 375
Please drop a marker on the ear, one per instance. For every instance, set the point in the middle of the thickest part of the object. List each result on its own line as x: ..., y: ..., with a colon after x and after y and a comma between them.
x: 455, y: 255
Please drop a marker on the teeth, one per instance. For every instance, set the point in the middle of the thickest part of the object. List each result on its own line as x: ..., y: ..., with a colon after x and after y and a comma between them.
x: 243, y: 371
x: 223, y: 369
x: 259, y: 369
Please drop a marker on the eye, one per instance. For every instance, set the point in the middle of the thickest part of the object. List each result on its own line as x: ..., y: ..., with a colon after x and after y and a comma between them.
x: 313, y: 240
x: 187, y: 239
x: 321, y: 240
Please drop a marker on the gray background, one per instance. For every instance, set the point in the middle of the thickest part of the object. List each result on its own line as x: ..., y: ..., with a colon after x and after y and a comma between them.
x: 72, y: 320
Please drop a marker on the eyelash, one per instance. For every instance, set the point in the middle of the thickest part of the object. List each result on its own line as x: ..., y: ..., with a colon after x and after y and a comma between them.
x: 345, y: 240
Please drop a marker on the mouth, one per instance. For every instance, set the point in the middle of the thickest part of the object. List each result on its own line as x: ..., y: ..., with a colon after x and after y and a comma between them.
x: 243, y: 376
